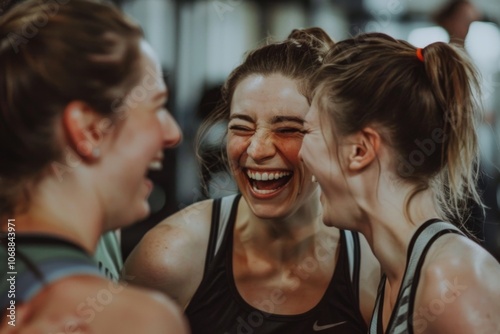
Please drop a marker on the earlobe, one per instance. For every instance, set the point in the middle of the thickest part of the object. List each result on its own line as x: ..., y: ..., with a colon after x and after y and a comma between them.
x: 79, y: 122
x: 364, y: 149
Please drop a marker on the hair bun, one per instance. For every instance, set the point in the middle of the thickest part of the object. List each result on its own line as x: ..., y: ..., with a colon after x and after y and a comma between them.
x: 314, y: 37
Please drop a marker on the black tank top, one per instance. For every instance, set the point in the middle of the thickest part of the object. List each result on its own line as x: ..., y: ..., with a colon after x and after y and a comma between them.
x: 218, y: 308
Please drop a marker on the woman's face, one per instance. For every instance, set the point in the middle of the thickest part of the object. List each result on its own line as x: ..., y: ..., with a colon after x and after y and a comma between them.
x: 136, y: 144
x: 265, y: 133
x: 320, y: 153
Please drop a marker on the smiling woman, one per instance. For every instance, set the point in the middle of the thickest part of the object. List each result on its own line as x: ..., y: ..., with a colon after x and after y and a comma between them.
x: 74, y: 159
x: 264, y: 138
x: 378, y: 104
x: 263, y: 261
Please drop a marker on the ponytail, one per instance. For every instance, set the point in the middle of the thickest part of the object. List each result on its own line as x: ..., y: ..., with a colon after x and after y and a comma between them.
x: 455, y: 85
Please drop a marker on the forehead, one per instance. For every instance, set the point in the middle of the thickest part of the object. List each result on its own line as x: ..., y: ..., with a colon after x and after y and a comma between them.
x: 151, y: 86
x: 266, y: 96
x: 318, y: 118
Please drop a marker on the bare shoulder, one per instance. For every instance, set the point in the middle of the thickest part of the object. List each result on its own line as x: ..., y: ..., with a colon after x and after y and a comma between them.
x: 171, y: 256
x: 369, y: 278
x: 459, y: 291
x: 88, y: 304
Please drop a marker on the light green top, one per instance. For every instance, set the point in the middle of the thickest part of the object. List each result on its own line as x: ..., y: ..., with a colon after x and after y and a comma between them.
x: 109, y: 256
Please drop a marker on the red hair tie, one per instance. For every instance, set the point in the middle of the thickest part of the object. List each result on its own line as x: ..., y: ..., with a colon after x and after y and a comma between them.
x: 420, y: 55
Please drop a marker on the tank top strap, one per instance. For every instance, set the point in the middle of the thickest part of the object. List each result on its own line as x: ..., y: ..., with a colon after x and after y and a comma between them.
x: 353, y: 258
x: 419, y: 245
x: 42, y: 260
x: 222, y: 210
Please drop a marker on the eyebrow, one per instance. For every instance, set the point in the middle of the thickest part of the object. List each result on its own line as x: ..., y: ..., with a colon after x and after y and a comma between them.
x: 274, y: 120
x: 242, y: 117
x: 281, y: 119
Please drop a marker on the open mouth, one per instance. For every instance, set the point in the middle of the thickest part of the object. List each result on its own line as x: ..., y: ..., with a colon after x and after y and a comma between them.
x: 157, y: 163
x: 268, y: 182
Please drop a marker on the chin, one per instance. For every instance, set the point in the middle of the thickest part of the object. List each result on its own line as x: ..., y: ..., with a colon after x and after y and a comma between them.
x: 339, y: 220
x: 279, y: 207
x: 144, y: 212
x: 330, y: 218
x: 327, y: 221
x: 261, y: 208
x: 141, y: 213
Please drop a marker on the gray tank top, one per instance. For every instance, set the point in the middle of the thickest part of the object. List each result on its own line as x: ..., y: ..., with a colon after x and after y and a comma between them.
x: 400, y: 321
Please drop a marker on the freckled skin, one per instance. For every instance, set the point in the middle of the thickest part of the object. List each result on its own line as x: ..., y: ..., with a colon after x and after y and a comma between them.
x: 256, y: 141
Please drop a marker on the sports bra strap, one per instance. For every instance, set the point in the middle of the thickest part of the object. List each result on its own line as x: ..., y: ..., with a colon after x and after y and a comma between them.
x: 37, y: 274
x: 354, y: 258
x: 214, y: 227
x: 221, y: 212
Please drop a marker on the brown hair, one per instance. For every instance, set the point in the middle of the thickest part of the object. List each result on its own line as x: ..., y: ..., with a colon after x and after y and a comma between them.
x: 52, y: 53
x: 426, y: 110
x: 297, y: 57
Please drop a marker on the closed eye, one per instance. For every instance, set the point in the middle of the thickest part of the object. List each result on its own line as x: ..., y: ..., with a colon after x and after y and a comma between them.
x: 289, y: 130
x: 240, y: 128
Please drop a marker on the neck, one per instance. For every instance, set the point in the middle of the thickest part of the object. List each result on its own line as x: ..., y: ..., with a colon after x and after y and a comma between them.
x: 391, y: 224
x: 283, y: 239
x: 61, y: 209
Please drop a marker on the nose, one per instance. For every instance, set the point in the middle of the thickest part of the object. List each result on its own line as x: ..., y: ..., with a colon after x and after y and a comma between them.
x: 172, y: 134
x: 261, y: 146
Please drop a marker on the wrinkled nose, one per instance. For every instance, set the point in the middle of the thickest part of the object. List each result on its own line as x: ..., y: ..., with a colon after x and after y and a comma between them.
x: 261, y: 146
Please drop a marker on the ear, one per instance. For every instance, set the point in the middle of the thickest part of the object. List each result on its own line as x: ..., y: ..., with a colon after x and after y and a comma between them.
x: 81, y: 125
x: 363, y: 149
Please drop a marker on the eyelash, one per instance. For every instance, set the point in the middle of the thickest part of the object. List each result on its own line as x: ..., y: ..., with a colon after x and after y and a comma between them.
x: 239, y: 128
x: 306, y: 131
x: 289, y: 130
x: 284, y: 131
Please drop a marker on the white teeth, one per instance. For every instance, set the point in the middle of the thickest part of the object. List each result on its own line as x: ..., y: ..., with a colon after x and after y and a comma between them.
x: 266, y: 175
x: 263, y: 191
x: 155, y: 165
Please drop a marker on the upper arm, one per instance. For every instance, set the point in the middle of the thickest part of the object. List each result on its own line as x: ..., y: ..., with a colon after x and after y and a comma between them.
x: 171, y: 257
x: 369, y: 278
x: 157, y: 314
x: 459, y: 294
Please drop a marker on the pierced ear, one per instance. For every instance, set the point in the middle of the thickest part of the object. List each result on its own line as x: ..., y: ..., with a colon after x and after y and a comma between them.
x: 80, y: 123
x: 363, y: 149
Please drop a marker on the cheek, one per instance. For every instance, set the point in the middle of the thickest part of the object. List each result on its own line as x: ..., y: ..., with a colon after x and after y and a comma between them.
x: 290, y: 149
x: 236, y: 146
x: 149, y: 143
x: 143, y: 134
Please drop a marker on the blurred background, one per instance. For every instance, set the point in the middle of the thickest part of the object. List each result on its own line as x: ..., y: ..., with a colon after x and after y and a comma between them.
x: 200, y: 42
